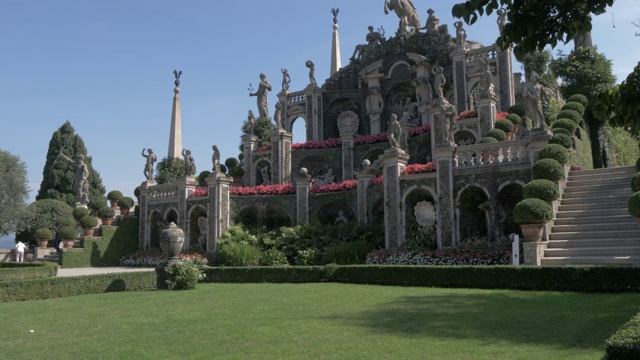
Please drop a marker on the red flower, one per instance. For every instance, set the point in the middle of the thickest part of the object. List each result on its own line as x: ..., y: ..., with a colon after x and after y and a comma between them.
x: 420, y: 168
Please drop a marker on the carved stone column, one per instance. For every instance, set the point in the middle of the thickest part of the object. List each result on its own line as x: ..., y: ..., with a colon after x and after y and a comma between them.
x: 303, y: 186
x: 250, y: 146
x: 348, y: 123
x: 314, y: 111
x: 364, y: 181
x: 394, y: 162
x: 487, y: 111
x: 186, y: 185
x: 281, y: 156
x: 460, y: 91
x: 505, y: 79
x: 144, y: 228
x: 217, y: 210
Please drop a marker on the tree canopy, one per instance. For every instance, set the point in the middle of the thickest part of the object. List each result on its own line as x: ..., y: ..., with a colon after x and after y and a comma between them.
x: 13, y: 191
x: 534, y: 24
x: 264, y: 128
x: 42, y: 213
x: 169, y: 170
x: 58, y: 174
x: 627, y: 102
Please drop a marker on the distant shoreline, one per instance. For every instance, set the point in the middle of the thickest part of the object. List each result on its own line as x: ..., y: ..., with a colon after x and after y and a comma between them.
x: 7, y: 242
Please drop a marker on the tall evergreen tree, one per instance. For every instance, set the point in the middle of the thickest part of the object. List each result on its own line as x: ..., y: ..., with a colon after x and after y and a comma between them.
x: 13, y: 190
x: 58, y: 174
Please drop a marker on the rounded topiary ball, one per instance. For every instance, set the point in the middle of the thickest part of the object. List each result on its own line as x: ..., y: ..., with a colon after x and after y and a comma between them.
x: 638, y: 164
x: 635, y: 182
x: 516, y: 109
x: 114, y: 195
x: 579, y: 98
x: 570, y: 114
x: 542, y: 189
x: 66, y: 221
x: 504, y: 125
x: 79, y: 212
x: 532, y: 211
x: 574, y: 105
x: 68, y: 233
x: 97, y: 203
x: 567, y: 124
x: 231, y: 162
x: 88, y: 222
x: 106, y: 212
x: 515, y: 119
x: 43, y: 234
x: 560, y: 131
x: 554, y: 151
x: 487, y: 140
x: 497, y: 134
x: 563, y: 140
x: 549, y: 169
x: 125, y: 202
x: 634, y: 204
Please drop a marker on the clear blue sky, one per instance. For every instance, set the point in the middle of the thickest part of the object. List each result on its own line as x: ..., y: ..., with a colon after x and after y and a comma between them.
x: 106, y: 66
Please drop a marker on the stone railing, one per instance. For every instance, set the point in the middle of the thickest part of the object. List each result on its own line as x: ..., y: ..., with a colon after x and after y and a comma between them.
x: 296, y: 97
x: 502, y: 152
x: 477, y: 54
x: 163, y: 192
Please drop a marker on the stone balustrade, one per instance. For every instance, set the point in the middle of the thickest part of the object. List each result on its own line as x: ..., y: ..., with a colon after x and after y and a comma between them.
x: 162, y: 193
x: 296, y: 97
x: 477, y: 54
x: 502, y: 152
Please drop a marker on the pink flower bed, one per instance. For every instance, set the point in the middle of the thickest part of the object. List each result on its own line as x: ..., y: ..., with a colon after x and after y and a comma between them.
x: 420, y: 168
x: 335, y: 187
x: 501, y: 115
x: 275, y: 189
x: 370, y: 139
x: 322, y: 144
x: 418, y: 130
x: 264, y: 148
x: 377, y: 180
x: 467, y: 114
x: 200, y: 191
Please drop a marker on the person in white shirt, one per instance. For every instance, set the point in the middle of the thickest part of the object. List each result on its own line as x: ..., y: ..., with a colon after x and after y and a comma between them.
x: 20, y: 246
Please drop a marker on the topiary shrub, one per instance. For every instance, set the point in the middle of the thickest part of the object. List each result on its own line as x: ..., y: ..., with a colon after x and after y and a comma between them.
x: 571, y: 115
x: 487, y: 140
x: 202, y: 178
x: 574, y: 106
x: 183, y: 275
x: 240, y: 156
x: 563, y: 140
x: 579, y: 98
x: 516, y: 109
x: 554, y: 151
x: 66, y: 221
x: 125, y: 202
x: 114, y: 195
x: 41, y: 213
x: 68, y: 232
x: 223, y: 168
x: 635, y: 182
x: 106, y: 212
x: 532, y: 211
x: 236, y: 171
x: 136, y: 191
x: 497, y: 134
x: 97, y: 203
x: 567, y: 124
x: 638, y: 164
x: 43, y: 234
x: 515, y: 119
x: 231, y: 162
x: 88, y: 222
x: 560, y: 131
x: 504, y: 125
x: 79, y: 212
x: 634, y: 204
x: 549, y: 169
x: 542, y: 189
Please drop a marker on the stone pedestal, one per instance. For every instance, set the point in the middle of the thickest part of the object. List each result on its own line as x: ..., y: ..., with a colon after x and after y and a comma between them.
x: 538, y: 138
x: 217, y: 210
x: 303, y: 186
x: 394, y: 162
x: 144, y: 229
x: 250, y: 146
x: 364, y: 181
x: 444, y: 157
x: 348, y: 123
x: 487, y: 111
x: 186, y: 185
x: 533, y: 252
x: 506, y: 83
x: 280, y: 156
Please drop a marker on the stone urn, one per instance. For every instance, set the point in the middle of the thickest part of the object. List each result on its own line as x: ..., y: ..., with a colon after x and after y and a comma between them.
x: 532, y: 232
x: 171, y: 241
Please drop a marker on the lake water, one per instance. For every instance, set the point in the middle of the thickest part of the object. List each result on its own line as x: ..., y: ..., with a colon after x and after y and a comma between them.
x: 7, y: 242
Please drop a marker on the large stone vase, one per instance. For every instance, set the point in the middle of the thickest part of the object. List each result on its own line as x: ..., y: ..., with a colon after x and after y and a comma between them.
x: 171, y: 241
x: 532, y: 232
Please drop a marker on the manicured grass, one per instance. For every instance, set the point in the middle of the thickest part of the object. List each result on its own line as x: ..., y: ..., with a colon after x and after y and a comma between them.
x: 315, y: 321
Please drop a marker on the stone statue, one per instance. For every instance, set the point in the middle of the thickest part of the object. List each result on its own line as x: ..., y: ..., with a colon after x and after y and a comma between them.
x: 424, y: 91
x: 374, y: 102
x: 189, y: 163
x: 394, y: 131
x: 341, y: 219
x: 425, y: 214
x: 406, y: 12
x: 411, y: 108
x: 286, y: 79
x: 80, y: 181
x: 485, y: 75
x: 251, y: 123
x: 448, y: 113
x: 261, y: 94
x: 266, y: 176
x: 348, y: 122
x: 502, y: 19
x: 277, y: 116
x: 433, y: 23
x: 532, y: 99
x: 438, y: 81
x: 203, y: 228
x: 312, y: 71
x: 373, y: 39
x: 326, y: 178
x: 461, y: 35
x: 148, y: 168
x: 215, y: 159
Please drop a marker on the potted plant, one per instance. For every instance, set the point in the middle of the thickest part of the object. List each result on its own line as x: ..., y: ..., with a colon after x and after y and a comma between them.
x: 532, y: 214
x: 68, y: 234
x: 516, y: 120
x: 505, y: 125
x: 633, y: 206
x: 88, y: 223
x: 106, y: 213
x: 125, y: 204
x: 96, y: 204
x: 549, y: 169
x: 113, y: 196
x: 43, y: 236
x: 79, y: 212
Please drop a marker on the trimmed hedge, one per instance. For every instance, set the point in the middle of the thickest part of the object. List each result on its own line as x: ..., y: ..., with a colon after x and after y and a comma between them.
x: 560, y: 131
x: 549, y: 169
x: 562, y: 139
x: 638, y: 164
x: 541, y: 189
x: 516, y: 109
x: 635, y: 182
x: 505, y: 125
x: 79, y: 212
x: 574, y: 105
x: 554, y: 151
x: 56, y: 287
x: 625, y: 343
x: 515, y: 119
x: 487, y: 140
x: 579, y: 98
x: 571, y: 115
x: 27, y: 270
x: 633, y: 205
x: 497, y: 134
x: 565, y: 124
x: 532, y: 211
x: 114, y: 195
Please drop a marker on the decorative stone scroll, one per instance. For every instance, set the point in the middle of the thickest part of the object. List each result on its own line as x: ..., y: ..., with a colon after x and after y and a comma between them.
x: 348, y: 122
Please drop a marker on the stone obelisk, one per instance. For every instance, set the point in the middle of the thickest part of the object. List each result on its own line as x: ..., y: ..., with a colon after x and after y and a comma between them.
x: 335, y: 45
x: 175, y: 136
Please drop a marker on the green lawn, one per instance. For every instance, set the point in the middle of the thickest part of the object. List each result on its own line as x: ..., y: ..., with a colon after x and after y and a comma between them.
x: 315, y: 321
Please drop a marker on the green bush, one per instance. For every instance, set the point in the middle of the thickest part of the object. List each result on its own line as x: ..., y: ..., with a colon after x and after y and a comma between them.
x: 560, y: 131
x: 542, y: 189
x: 38, y: 214
x: 238, y: 254
x: 231, y: 162
x: 504, y: 125
x: 114, y: 195
x: 136, y: 191
x: 347, y: 253
x: 236, y: 171
x: 223, y: 168
x: 635, y: 182
x: 579, y: 98
x: 79, y: 212
x: 273, y: 257
x: 487, y: 140
x: 66, y: 221
x: 516, y: 109
x: 202, y: 178
x: 515, y: 119
x: 571, y: 115
x: 576, y: 106
x: 97, y: 203
x: 106, y: 212
x: 43, y: 234
x: 10, y: 271
x: 568, y: 124
x: 549, y: 169
x: 308, y: 257
x: 183, y: 275
x: 496, y: 134
x: 562, y: 139
x: 88, y: 222
x: 622, y: 146
x: 125, y: 202
x: 638, y: 164
x: 625, y: 342
x: 554, y: 151
x: 634, y: 204
x: 68, y: 232
x: 532, y: 211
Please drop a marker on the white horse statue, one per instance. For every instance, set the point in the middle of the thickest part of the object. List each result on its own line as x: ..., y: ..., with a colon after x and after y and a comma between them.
x: 405, y: 11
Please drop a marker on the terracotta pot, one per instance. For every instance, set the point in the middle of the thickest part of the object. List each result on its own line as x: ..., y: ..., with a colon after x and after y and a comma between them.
x: 114, y: 203
x: 42, y: 243
x: 532, y: 232
x: 107, y: 221
x: 124, y: 211
x: 68, y: 243
x: 88, y: 231
x: 509, y: 136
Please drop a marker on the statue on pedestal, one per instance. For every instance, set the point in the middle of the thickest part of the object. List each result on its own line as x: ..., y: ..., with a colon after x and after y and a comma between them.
x: 448, y: 113
x: 438, y: 81
x: 286, y: 79
x: 461, y: 34
x: 189, y: 163
x: 502, y: 19
x: 373, y: 39
x: 80, y: 181
x: 261, y: 94
x: 251, y: 123
x: 433, y: 23
x: 394, y: 131
x: 406, y: 12
x: 424, y: 91
x: 277, y: 116
x: 374, y: 105
x: 312, y: 71
x: 148, y: 168
x: 532, y: 98
x: 215, y: 159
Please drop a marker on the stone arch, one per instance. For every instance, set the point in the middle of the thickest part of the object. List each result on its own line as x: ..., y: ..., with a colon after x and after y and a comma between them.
x: 413, y: 233
x: 395, y: 100
x: 155, y: 227
x: 328, y: 213
x: 288, y: 126
x: 475, y: 88
x: 472, y: 210
x: 509, y: 194
x: 318, y: 165
x: 465, y: 137
x: 263, y: 176
x: 396, y: 64
x: 269, y: 216
x: 333, y: 111
x: 171, y: 215
x: 196, y: 238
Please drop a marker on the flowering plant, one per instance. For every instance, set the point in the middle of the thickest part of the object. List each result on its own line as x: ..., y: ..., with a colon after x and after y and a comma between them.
x: 370, y: 139
x: 200, y: 191
x: 575, y: 168
x: 420, y: 168
x: 335, y: 187
x: 264, y: 148
x: 501, y: 115
x: 467, y: 114
x: 322, y: 144
x: 377, y: 180
x: 156, y: 259
x: 417, y: 130
x: 275, y: 189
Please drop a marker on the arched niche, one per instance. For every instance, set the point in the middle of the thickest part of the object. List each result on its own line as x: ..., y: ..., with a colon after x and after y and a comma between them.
x: 268, y: 216
x: 473, y: 217
x: 465, y: 137
x: 155, y: 227
x: 171, y: 216
x: 420, y: 205
x: 508, y: 196
x: 263, y: 172
x: 335, y: 108
x: 197, y: 229
x: 319, y: 166
x: 329, y: 212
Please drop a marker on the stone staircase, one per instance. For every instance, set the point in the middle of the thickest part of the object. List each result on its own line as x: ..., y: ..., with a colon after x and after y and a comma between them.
x: 55, y: 257
x: 592, y: 224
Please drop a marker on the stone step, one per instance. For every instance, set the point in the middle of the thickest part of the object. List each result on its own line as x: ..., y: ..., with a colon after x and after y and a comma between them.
x: 602, y: 172
x: 53, y: 257
x: 584, y: 211
x: 600, y: 242
x: 598, y: 200
x: 586, y: 220
x: 578, y: 191
x: 618, y: 180
x: 593, y: 251
x: 599, y: 226
x: 593, y: 208
x: 592, y: 260
x: 590, y: 235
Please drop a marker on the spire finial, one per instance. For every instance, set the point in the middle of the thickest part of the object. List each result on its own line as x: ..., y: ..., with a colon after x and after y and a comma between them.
x: 335, y: 15
x: 177, y: 74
